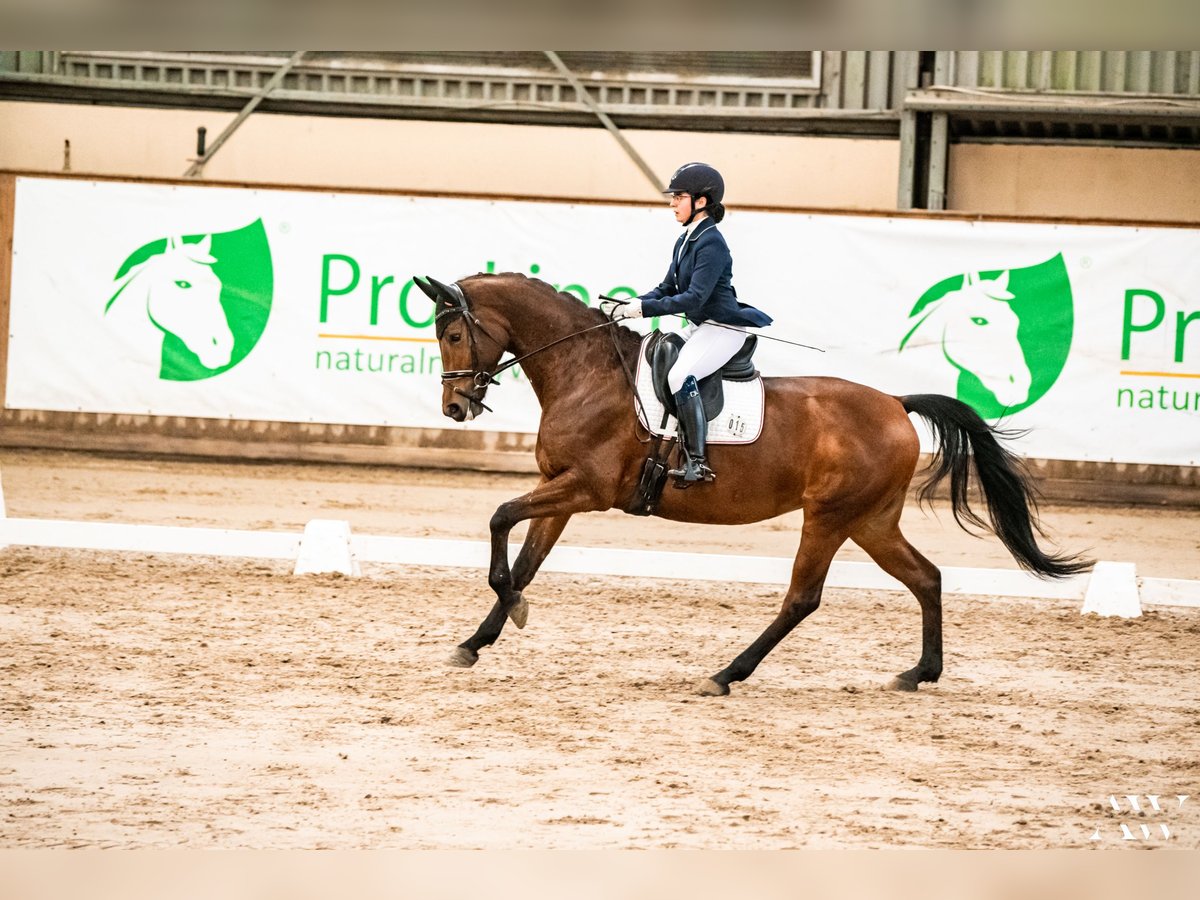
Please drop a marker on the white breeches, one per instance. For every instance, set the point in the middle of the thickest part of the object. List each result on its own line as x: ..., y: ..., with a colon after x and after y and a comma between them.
x: 707, y: 349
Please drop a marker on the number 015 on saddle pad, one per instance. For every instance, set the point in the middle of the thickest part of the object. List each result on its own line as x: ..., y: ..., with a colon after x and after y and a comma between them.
x: 733, y: 396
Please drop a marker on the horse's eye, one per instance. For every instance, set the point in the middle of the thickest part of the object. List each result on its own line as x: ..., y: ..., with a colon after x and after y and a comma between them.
x: 979, y: 320
x: 455, y: 338
x: 183, y: 284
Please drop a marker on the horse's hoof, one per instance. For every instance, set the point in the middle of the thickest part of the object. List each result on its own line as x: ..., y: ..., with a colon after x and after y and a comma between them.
x: 463, y: 658
x: 519, y: 611
x: 900, y: 683
x: 710, y: 688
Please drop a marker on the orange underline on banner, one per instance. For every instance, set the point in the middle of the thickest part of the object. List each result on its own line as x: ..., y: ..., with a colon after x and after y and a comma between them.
x: 1166, y: 374
x: 377, y: 337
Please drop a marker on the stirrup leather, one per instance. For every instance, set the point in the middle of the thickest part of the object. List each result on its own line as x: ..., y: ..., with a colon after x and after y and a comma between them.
x: 693, y: 430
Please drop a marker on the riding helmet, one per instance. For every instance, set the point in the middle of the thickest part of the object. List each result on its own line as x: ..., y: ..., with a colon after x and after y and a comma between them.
x: 699, y: 180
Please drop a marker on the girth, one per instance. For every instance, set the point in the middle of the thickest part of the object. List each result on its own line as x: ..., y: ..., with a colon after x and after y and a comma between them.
x: 662, y: 353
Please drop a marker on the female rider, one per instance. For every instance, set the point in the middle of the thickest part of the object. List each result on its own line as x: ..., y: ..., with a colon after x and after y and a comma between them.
x: 698, y: 285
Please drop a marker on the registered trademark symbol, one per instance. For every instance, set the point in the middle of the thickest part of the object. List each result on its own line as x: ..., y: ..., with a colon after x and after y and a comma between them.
x: 1086, y: 262
x: 285, y: 227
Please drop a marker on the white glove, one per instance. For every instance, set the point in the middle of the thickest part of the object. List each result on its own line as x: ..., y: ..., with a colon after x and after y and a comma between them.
x: 617, y: 309
x: 630, y: 310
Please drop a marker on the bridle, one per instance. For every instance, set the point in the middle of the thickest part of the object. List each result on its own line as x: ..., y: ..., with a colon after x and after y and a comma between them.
x: 454, y: 303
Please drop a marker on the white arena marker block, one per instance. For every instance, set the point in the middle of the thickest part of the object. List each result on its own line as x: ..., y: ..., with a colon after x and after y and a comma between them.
x: 325, y: 548
x: 1113, y: 591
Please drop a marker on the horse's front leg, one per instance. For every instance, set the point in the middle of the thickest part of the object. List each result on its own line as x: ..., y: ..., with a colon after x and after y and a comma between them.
x: 550, y: 505
x: 539, y: 541
x: 543, y: 533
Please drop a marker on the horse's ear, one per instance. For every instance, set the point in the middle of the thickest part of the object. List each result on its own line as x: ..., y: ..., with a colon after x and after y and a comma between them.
x: 444, y: 294
x: 426, y: 289
x: 201, y: 251
x: 1000, y: 287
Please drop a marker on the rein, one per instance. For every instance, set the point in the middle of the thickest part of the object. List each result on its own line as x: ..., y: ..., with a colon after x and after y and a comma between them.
x: 513, y: 362
x: 637, y: 398
x: 482, y: 379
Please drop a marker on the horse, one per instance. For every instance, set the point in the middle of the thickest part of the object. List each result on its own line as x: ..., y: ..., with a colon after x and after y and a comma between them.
x: 182, y: 296
x: 976, y: 330
x: 843, y: 452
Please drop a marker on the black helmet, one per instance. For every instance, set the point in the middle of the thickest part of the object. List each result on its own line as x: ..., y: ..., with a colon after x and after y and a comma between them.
x: 699, y: 180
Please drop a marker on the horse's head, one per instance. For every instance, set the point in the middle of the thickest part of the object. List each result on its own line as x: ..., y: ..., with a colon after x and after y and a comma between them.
x: 979, y: 335
x: 470, y: 349
x: 183, y: 298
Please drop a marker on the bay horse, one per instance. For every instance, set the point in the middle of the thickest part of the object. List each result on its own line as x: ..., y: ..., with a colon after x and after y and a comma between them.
x: 843, y: 452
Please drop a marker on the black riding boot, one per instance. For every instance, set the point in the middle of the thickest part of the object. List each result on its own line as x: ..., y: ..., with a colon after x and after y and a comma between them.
x: 693, y: 429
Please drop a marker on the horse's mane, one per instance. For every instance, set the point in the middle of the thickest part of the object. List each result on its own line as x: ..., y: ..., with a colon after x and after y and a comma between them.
x: 129, y: 278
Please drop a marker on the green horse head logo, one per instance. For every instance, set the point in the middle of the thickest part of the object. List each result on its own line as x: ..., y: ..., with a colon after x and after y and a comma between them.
x: 1006, y: 331
x: 209, y: 295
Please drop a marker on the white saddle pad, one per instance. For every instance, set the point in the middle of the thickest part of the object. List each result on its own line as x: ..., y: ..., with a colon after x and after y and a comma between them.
x: 739, y: 422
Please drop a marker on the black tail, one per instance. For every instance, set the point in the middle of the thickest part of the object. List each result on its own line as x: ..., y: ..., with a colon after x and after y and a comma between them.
x: 960, y: 434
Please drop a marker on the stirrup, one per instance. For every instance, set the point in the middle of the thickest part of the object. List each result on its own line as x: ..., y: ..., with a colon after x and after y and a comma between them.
x: 693, y: 470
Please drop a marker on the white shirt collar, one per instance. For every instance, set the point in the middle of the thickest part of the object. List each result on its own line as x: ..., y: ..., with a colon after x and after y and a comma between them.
x: 693, y: 226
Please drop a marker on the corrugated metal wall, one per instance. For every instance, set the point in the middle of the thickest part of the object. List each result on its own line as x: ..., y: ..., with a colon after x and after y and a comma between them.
x: 848, y: 79
x: 865, y: 79
x: 1088, y: 71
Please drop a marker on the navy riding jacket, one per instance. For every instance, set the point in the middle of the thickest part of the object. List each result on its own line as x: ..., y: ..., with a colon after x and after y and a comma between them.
x: 700, y: 284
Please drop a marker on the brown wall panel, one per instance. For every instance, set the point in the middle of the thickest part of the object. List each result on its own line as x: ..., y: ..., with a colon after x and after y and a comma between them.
x: 1113, y: 183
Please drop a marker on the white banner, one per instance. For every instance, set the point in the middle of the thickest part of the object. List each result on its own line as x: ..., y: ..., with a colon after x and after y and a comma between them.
x: 298, y: 306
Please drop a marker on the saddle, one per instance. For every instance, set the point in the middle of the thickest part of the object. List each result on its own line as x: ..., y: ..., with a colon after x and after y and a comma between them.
x: 662, y: 353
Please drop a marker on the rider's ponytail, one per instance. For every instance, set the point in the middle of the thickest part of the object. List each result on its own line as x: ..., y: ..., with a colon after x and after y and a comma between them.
x: 716, y: 211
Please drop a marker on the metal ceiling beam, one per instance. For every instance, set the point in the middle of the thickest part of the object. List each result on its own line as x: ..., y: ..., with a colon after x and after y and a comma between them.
x: 608, y: 123
x: 196, y: 169
x: 1106, y: 107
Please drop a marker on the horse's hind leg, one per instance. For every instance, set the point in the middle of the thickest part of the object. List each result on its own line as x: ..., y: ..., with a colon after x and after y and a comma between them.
x: 817, y: 547
x: 896, y: 556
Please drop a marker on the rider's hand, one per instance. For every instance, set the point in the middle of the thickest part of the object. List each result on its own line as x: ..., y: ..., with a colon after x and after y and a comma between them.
x: 609, y: 306
x: 617, y: 310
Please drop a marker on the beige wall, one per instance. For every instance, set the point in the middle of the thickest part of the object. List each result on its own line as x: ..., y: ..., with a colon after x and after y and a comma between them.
x: 1084, y: 182
x: 521, y: 160
x: 518, y: 160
